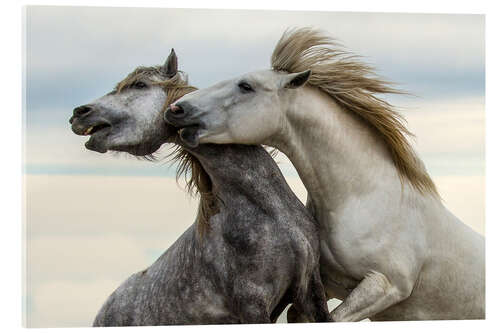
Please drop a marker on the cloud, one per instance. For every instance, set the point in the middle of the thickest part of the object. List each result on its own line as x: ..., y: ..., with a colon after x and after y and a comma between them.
x: 138, y: 30
x: 76, y: 54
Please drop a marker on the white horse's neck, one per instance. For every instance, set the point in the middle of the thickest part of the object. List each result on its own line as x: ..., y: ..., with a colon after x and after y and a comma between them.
x: 316, y: 129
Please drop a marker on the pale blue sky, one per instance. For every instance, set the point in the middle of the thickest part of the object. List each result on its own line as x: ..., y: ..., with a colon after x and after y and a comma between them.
x: 76, y: 54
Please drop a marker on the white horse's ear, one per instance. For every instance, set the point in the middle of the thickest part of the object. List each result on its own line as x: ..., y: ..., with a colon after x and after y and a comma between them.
x: 296, y: 80
x: 170, y: 66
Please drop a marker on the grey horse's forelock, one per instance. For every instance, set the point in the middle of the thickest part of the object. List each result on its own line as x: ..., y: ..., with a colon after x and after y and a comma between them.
x: 353, y: 85
x: 154, y: 75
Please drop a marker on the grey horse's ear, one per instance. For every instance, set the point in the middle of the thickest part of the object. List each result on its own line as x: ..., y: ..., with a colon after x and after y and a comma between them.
x: 170, y: 66
x: 296, y: 80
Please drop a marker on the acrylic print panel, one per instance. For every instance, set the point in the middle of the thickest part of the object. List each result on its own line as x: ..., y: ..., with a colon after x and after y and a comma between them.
x: 92, y: 219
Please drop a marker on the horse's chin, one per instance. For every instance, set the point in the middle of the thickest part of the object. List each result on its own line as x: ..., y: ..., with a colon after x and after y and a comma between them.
x: 172, y: 135
x: 98, y: 136
x: 96, y: 146
x: 190, y: 136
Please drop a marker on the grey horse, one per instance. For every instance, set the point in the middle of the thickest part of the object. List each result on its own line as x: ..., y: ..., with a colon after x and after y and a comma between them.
x: 253, y: 249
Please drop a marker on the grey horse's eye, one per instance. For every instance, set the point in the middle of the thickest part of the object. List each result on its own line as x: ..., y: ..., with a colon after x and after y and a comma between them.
x: 245, y: 87
x: 138, y: 85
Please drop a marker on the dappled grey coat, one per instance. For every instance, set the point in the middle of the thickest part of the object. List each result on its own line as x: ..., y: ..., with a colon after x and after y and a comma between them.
x: 259, y: 252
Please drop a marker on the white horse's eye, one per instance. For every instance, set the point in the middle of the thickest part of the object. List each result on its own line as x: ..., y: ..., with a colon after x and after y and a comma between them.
x: 245, y: 87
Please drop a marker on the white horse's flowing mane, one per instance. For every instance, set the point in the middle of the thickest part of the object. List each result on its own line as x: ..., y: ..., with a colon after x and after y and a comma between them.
x: 353, y: 85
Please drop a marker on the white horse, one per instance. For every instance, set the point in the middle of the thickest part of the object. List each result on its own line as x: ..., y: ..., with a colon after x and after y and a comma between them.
x: 389, y: 248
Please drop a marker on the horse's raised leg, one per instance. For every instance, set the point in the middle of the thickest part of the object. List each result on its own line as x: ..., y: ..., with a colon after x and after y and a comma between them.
x: 374, y: 294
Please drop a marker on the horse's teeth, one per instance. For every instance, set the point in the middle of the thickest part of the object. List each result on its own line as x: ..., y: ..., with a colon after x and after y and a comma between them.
x: 88, y: 130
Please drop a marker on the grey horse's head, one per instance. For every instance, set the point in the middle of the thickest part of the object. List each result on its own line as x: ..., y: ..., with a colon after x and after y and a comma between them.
x: 129, y: 118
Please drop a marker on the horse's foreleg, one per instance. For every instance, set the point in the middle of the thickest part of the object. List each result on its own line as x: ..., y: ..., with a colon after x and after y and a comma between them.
x: 278, y: 310
x: 312, y: 306
x: 250, y: 302
x: 374, y: 294
x: 295, y: 316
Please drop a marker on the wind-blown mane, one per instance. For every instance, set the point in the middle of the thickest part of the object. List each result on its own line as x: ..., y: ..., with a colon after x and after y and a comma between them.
x: 189, y: 167
x: 353, y: 85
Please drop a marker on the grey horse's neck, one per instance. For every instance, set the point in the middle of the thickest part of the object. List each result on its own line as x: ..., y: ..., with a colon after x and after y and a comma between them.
x: 240, y: 170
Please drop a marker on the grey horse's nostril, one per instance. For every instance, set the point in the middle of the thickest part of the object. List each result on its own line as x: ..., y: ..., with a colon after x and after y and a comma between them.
x: 81, y: 110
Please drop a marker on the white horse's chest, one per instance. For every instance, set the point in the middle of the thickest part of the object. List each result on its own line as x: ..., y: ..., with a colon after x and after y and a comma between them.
x: 360, y: 235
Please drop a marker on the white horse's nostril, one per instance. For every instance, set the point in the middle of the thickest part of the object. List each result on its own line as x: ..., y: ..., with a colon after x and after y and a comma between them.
x: 175, y: 109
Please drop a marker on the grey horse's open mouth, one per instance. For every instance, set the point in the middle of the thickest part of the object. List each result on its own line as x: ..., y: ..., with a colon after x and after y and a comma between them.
x: 96, y: 128
x: 85, y: 127
x: 97, y: 134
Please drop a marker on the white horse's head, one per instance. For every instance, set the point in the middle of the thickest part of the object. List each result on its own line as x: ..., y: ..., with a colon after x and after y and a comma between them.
x: 248, y: 109
x: 129, y: 118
